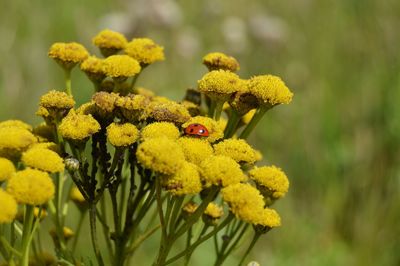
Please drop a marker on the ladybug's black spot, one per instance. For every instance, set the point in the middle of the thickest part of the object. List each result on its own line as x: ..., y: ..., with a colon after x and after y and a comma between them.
x: 191, y: 130
x: 196, y: 125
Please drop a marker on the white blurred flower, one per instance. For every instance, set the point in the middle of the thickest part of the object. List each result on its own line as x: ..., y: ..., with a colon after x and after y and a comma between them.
x: 268, y: 28
x: 188, y: 43
x: 253, y: 263
x: 235, y: 34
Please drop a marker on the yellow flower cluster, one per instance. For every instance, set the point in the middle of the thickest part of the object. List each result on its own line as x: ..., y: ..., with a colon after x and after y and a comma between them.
x: 31, y: 186
x: 43, y: 159
x: 14, y: 140
x: 133, y: 106
x: 57, y: 100
x: 195, y: 149
x: 15, y: 123
x: 68, y: 54
x: 122, y: 134
x: 105, y: 101
x: 216, y: 61
x: 7, y: 169
x: 237, y: 149
x: 93, y: 68
x: 145, y: 51
x: 215, y: 129
x: 214, y: 211
x: 220, y: 84
x: 108, y: 39
x: 221, y: 171
x: 168, y: 111
x: 120, y: 67
x: 186, y: 181
x: 161, y: 155
x: 271, y: 178
x: 8, y: 207
x: 160, y: 130
x: 270, y: 90
x: 78, y: 127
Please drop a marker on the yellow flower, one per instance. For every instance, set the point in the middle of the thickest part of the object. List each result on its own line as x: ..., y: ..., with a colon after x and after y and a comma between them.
x: 160, y: 130
x: 31, y: 186
x: 221, y: 171
x: 237, y: 149
x: 16, y: 123
x: 68, y: 54
x: 248, y: 116
x: 14, y: 140
x: 8, y: 207
x: 78, y: 127
x: 7, y: 169
x: 189, y: 209
x: 122, y: 134
x: 216, y: 61
x: 76, y: 196
x: 67, y: 233
x: 93, y: 68
x: 195, y: 149
x: 145, y: 92
x: 221, y: 84
x: 120, y: 67
x: 109, y: 42
x: 43, y: 159
x: 46, y: 145
x: 133, y: 106
x: 160, y: 155
x: 215, y: 129
x: 270, y: 90
x: 214, y: 211
x: 145, y: 51
x: 88, y: 108
x: 186, y: 181
x: 43, y: 213
x: 57, y: 100
x: 168, y: 111
x: 267, y: 218
x: 271, y: 178
x: 105, y: 101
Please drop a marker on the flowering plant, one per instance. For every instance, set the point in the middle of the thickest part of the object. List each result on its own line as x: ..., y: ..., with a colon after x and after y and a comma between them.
x: 135, y: 156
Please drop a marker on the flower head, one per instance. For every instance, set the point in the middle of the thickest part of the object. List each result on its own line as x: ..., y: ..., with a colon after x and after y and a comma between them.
x: 16, y: 123
x: 105, y: 101
x: 122, y: 134
x: 145, y: 51
x: 68, y: 54
x: 237, y: 149
x: 57, y: 100
x: 186, y: 181
x: 221, y: 171
x: 215, y: 129
x: 14, y: 140
x: 31, y: 186
x: 270, y: 90
x: 7, y: 169
x: 78, y: 127
x: 216, y: 61
x: 8, y: 207
x: 43, y: 159
x: 272, y: 179
x: 133, y: 106
x: 109, y: 42
x: 160, y: 130
x: 120, y: 67
x: 76, y: 196
x: 160, y: 155
x: 266, y: 219
x: 93, y: 68
x: 168, y: 111
x: 196, y: 150
x: 248, y: 116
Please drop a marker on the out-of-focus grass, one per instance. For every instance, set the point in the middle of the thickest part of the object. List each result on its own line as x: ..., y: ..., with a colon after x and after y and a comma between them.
x: 338, y: 141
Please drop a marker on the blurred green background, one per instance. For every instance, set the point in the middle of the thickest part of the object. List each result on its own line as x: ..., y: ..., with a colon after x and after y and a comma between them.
x: 338, y: 140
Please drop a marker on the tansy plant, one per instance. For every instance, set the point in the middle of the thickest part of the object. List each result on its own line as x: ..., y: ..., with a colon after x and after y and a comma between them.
x: 139, y: 165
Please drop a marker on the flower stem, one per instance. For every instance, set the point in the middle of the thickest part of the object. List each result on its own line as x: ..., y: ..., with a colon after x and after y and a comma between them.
x: 93, y: 232
x: 27, y: 231
x: 233, y: 121
x: 67, y: 73
x: 253, y: 242
x: 254, y: 121
x: 78, y: 230
x: 211, y: 109
x: 218, y: 109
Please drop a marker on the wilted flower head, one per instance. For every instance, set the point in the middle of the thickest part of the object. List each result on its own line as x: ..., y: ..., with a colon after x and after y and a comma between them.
x: 105, y: 101
x: 68, y: 54
x: 109, y: 42
x: 216, y: 61
x: 122, y: 134
x: 168, y: 111
x: 145, y: 51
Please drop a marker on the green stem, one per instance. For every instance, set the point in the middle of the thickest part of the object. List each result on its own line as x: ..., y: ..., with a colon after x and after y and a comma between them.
x: 67, y: 73
x: 78, y: 230
x: 27, y: 231
x: 58, y: 215
x: 93, y: 232
x: 254, y: 121
x: 233, y: 121
x: 211, y: 109
x: 218, y: 109
x: 223, y: 255
x: 142, y: 238
x: 253, y: 242
x: 134, y: 79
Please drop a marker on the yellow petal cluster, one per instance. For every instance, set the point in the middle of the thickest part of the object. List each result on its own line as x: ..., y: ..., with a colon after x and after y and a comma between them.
x: 160, y: 130
x: 120, y: 66
x: 267, y: 218
x: 220, y: 82
x: 221, y: 171
x: 93, y: 68
x: 145, y: 51
x: 122, y: 134
x: 271, y: 178
x: 46, y: 145
x: 105, y: 101
x: 43, y: 159
x: 15, y: 123
x: 8, y: 207
x: 237, y: 149
x: 169, y: 111
x: 248, y: 116
x: 196, y: 150
x: 76, y: 195
x: 78, y: 127
x: 160, y: 155
x: 7, y: 169
x: 214, y: 210
x: 215, y: 129
x: 68, y: 52
x: 186, y: 181
x: 13, y: 140
x: 133, y: 106
x: 270, y: 90
x: 216, y: 61
x: 57, y: 100
x: 31, y: 186
x: 110, y: 39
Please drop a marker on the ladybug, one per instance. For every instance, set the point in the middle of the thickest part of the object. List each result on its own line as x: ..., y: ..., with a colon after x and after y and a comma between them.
x: 196, y: 130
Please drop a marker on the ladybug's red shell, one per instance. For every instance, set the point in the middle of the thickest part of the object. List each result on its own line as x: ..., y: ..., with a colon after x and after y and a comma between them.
x: 196, y: 130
